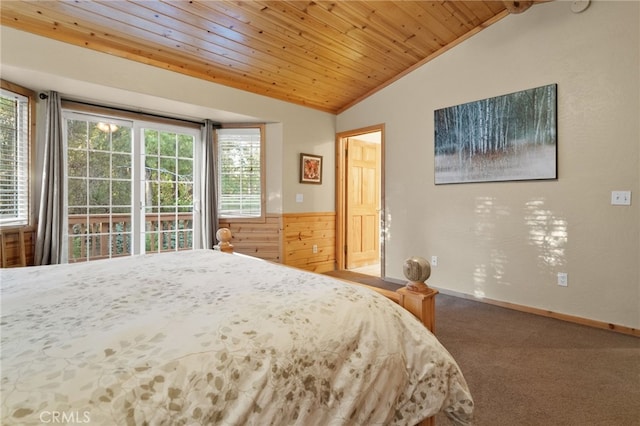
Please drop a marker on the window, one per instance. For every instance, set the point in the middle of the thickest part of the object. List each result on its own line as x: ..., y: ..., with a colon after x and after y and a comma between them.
x: 99, y: 187
x: 240, y: 172
x: 131, y: 186
x: 14, y: 157
x: 169, y: 190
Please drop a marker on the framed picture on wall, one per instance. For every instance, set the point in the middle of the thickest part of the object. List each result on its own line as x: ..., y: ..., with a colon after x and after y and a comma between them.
x: 310, y: 168
x: 505, y: 138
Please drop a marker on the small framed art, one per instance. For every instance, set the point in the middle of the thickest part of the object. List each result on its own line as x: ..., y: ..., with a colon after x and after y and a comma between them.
x: 310, y: 168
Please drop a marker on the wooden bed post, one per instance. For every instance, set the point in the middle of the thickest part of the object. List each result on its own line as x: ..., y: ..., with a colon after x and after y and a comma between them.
x: 429, y: 421
x: 422, y: 304
x: 416, y: 297
x: 224, y: 236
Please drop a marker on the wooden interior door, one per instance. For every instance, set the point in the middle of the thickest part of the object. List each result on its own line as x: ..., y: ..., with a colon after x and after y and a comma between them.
x: 362, y: 203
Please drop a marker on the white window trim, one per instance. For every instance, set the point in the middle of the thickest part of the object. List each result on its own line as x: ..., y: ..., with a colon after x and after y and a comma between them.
x: 25, y: 217
x: 138, y: 206
x: 263, y: 170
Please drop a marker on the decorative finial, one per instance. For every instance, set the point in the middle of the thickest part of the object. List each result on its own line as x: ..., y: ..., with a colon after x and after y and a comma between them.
x: 417, y: 270
x: 224, y: 236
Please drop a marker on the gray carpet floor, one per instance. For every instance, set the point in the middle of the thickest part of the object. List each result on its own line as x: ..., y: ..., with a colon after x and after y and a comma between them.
x: 524, y: 369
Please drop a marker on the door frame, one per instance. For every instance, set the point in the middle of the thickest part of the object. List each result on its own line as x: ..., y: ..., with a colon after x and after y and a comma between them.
x: 341, y: 194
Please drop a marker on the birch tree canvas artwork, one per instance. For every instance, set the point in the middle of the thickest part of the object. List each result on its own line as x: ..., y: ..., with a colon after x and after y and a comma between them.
x: 504, y: 138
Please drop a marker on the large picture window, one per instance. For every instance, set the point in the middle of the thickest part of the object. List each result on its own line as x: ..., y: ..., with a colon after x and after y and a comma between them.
x: 14, y: 158
x: 130, y: 187
x: 240, y: 172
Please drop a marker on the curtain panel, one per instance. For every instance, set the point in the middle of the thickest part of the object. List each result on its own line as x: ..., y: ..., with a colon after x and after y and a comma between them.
x: 49, y: 241
x: 209, y: 190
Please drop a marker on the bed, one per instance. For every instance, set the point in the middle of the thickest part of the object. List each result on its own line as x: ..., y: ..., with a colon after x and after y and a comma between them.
x: 205, y: 337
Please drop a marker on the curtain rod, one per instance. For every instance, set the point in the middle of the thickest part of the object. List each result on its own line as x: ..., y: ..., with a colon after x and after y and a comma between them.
x: 138, y: 113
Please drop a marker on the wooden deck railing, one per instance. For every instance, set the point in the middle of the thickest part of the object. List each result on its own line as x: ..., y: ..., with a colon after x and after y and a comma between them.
x: 102, y: 236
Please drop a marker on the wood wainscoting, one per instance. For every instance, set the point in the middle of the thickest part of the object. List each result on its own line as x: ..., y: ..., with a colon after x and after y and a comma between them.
x: 288, y: 239
x: 17, y: 247
x: 304, y: 231
x: 257, y: 239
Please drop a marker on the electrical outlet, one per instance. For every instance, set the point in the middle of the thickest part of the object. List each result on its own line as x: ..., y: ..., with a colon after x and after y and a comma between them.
x: 563, y: 279
x: 620, y: 198
x: 434, y: 260
x: 314, y: 248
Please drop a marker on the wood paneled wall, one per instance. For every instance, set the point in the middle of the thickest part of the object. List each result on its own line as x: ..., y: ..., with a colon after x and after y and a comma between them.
x: 301, y: 232
x: 287, y: 239
x: 257, y: 239
x: 10, y: 253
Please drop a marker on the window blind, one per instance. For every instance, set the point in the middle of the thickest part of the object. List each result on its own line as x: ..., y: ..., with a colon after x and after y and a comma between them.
x: 14, y: 159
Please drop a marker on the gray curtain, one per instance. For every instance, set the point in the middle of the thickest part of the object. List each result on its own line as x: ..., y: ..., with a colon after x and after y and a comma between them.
x: 209, y: 190
x: 49, y: 240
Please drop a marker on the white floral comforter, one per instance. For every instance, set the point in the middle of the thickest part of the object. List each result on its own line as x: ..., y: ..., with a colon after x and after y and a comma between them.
x: 203, y: 337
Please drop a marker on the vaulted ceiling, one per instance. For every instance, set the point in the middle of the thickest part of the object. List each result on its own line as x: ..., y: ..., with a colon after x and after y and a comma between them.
x: 326, y: 55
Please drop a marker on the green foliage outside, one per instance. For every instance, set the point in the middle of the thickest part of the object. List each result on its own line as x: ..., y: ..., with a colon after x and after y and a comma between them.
x: 239, y: 163
x: 13, y: 159
x: 100, y: 190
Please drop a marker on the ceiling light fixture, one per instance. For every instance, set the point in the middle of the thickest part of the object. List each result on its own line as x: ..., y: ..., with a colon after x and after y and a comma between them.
x: 107, y: 127
x: 517, y: 6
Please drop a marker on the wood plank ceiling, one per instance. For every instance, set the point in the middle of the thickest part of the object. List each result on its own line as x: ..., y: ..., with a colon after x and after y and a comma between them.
x: 326, y: 55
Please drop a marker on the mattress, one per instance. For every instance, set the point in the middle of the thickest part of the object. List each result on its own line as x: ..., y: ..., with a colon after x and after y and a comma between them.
x: 203, y: 337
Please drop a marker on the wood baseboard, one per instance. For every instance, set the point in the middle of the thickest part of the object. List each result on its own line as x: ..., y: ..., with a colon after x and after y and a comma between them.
x: 546, y: 313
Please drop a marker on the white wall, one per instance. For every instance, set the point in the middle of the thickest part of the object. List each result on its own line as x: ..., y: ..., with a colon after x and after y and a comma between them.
x: 42, y: 64
x: 507, y: 241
